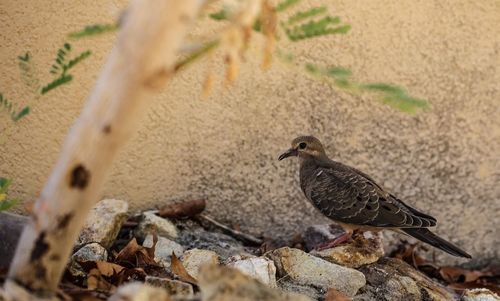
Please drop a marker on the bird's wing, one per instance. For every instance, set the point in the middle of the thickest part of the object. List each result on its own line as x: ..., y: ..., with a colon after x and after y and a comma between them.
x: 348, y: 196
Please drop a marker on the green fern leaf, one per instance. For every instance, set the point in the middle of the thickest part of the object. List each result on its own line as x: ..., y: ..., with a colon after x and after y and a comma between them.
x: 93, y: 30
x: 61, y: 80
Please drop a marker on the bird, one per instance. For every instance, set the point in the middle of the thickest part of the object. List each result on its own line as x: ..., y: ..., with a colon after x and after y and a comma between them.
x: 355, y: 201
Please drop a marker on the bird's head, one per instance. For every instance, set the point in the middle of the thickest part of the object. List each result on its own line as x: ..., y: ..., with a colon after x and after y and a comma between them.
x: 303, y: 147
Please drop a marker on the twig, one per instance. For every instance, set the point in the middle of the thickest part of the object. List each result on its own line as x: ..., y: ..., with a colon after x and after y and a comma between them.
x: 238, y: 234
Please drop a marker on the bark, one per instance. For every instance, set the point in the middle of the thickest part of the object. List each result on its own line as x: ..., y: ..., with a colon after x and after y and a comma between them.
x: 140, y: 63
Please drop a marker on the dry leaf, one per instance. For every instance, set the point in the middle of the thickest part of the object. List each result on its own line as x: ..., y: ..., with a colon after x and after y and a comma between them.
x: 458, y: 275
x: 95, y: 281
x: 335, y: 295
x: 137, y: 255
x: 108, y: 269
x: 179, y: 270
x: 183, y: 210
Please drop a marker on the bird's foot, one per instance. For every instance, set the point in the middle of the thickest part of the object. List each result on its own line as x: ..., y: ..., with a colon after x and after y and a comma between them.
x: 334, y: 242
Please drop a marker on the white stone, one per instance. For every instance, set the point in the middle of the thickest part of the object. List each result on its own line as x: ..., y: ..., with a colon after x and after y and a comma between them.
x: 259, y: 268
x: 137, y: 291
x: 90, y: 252
x: 195, y: 258
x: 163, y: 249
x: 151, y: 223
x: 103, y: 223
x: 305, y: 269
x: 480, y: 294
x: 173, y: 287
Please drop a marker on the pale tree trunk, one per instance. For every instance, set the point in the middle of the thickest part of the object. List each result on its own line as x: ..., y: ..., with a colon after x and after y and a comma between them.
x: 141, y: 62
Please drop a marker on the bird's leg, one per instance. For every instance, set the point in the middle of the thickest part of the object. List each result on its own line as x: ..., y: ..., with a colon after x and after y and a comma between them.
x: 335, y: 242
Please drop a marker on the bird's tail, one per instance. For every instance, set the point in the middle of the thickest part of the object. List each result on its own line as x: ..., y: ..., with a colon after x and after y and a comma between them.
x: 427, y: 236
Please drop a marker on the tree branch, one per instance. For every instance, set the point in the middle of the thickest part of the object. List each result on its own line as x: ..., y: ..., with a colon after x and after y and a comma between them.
x: 141, y: 61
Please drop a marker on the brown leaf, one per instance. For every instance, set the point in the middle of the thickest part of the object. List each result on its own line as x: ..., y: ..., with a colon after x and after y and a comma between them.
x: 95, y: 281
x: 136, y: 254
x: 471, y: 285
x: 335, y: 295
x: 179, y: 270
x: 458, y: 275
x: 183, y: 210
x: 108, y: 269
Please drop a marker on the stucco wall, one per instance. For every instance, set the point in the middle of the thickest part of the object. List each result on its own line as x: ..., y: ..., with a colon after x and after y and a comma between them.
x: 445, y: 161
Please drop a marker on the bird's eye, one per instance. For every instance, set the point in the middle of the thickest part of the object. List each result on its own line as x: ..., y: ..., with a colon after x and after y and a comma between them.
x: 302, y: 145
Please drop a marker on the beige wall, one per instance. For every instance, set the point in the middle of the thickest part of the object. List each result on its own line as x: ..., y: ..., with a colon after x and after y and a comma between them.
x: 445, y: 161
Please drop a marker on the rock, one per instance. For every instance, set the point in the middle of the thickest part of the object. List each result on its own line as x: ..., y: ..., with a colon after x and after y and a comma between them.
x: 195, y: 258
x: 225, y: 246
x: 103, y: 223
x: 173, y: 287
x: 164, y: 249
x: 11, y: 227
x: 305, y: 269
x: 259, y: 268
x: 136, y: 291
x: 396, y: 280
x: 479, y: 294
x: 365, y: 248
x: 90, y: 252
x: 150, y: 223
x: 224, y: 283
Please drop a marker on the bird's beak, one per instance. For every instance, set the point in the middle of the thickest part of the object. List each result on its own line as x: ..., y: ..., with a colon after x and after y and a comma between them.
x: 288, y: 153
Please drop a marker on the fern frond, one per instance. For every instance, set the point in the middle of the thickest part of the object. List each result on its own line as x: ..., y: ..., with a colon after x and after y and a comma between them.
x: 60, y: 58
x: 5, y: 204
x: 61, y: 80
x: 77, y: 60
x: 285, y: 4
x: 392, y: 95
x: 303, y: 15
x: 28, y: 72
x: 8, y: 107
x: 315, y: 28
x: 93, y: 30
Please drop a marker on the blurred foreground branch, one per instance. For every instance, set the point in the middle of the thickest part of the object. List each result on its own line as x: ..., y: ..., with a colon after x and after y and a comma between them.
x: 140, y: 63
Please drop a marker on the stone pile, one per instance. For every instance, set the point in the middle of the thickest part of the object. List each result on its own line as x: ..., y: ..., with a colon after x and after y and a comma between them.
x: 223, y: 268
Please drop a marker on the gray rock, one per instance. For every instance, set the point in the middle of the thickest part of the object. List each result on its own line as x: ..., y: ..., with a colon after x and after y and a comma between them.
x: 11, y: 227
x: 392, y: 280
x: 173, y: 287
x: 260, y: 268
x: 136, y: 291
x: 195, y: 258
x: 480, y: 294
x: 163, y: 250
x: 103, y: 223
x: 150, y: 223
x: 90, y: 252
x: 305, y: 269
x: 224, y: 283
x: 225, y: 246
x: 365, y: 248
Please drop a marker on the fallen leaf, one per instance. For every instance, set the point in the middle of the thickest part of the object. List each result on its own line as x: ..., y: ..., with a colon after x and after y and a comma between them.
x: 95, y: 281
x: 137, y: 255
x: 107, y: 269
x: 179, y: 270
x: 183, y: 210
x: 335, y: 295
x: 458, y: 275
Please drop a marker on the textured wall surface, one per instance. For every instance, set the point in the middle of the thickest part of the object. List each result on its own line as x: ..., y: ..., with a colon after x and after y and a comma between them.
x: 445, y: 161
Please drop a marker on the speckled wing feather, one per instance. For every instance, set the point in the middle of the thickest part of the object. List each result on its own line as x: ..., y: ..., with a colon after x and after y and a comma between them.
x: 347, y: 195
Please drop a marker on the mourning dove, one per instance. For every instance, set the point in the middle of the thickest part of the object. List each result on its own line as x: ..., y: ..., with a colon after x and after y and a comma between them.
x: 355, y: 201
